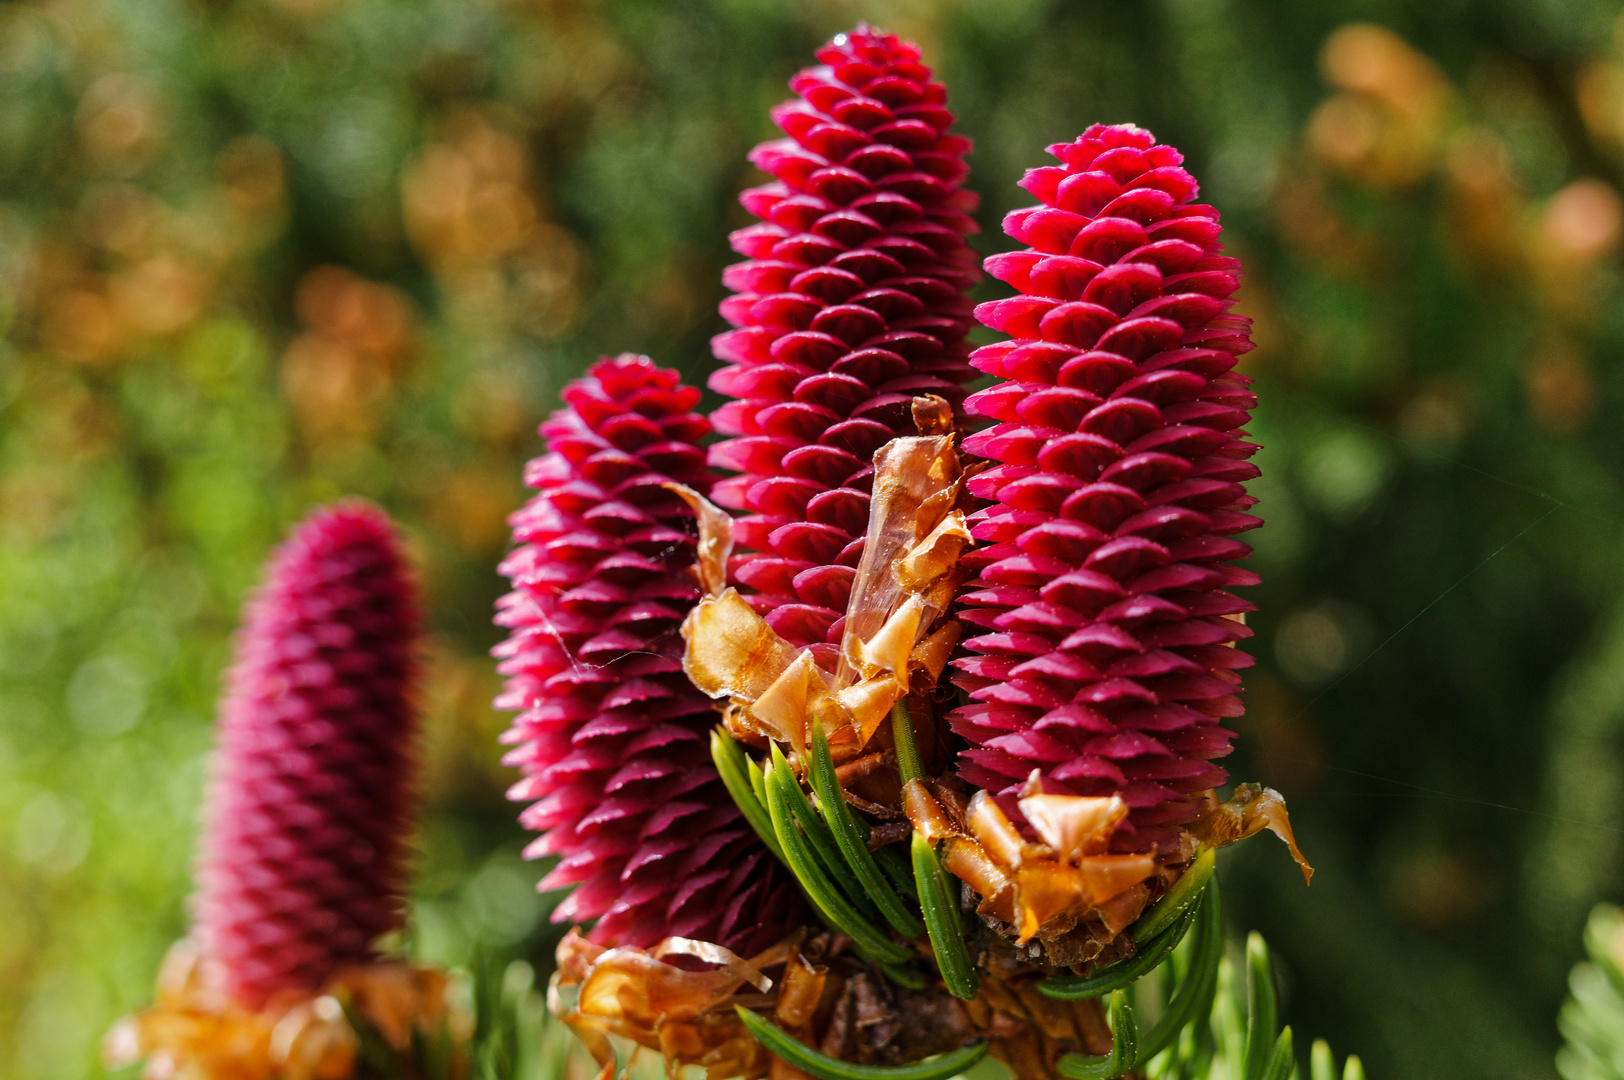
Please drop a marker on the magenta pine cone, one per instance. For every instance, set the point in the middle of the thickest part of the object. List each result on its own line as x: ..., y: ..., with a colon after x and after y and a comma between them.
x: 612, y: 737
x: 1104, y: 656
x: 850, y: 304
x: 304, y: 853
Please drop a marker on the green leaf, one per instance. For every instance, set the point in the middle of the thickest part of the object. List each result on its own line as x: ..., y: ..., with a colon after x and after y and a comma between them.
x: 808, y: 1060
x: 1353, y: 1068
x: 832, y: 801
x: 734, y: 768
x: 836, y: 910
x: 1260, y: 1007
x: 1150, y: 956
x: 941, y: 909
x: 1177, y: 900
x: 1124, y: 1046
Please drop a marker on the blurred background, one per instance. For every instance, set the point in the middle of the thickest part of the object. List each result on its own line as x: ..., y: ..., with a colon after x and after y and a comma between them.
x: 257, y: 254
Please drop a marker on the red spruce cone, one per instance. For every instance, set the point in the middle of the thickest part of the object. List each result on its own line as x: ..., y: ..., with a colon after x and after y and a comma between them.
x: 1105, y: 661
x: 612, y: 737
x: 852, y: 302
x: 304, y: 847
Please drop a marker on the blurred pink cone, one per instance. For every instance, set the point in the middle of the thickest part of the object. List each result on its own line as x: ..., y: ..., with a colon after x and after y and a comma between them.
x: 304, y: 849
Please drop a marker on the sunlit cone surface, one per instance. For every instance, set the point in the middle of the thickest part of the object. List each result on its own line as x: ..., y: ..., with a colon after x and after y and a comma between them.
x: 850, y: 304
x: 304, y: 849
x: 1103, y: 655
x: 611, y: 736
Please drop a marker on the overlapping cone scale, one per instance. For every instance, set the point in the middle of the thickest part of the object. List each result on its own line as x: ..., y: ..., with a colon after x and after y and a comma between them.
x: 611, y: 737
x: 1103, y: 622
x: 851, y: 303
x: 304, y: 848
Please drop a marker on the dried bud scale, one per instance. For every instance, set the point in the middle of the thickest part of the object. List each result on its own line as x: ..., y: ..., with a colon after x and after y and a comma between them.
x: 304, y: 848
x: 611, y: 737
x: 1103, y: 658
x: 850, y: 304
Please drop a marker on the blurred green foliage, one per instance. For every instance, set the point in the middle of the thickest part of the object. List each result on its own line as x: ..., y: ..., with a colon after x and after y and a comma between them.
x: 256, y: 254
x: 1592, y: 1018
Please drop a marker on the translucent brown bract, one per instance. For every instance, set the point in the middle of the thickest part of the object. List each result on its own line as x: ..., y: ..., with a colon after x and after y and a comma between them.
x: 903, y: 584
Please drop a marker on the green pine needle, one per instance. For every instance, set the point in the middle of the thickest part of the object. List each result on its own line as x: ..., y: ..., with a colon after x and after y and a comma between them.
x: 1592, y: 1019
x: 734, y: 768
x: 808, y: 1060
x: 1124, y: 1046
x: 818, y: 836
x: 939, y: 903
x: 832, y: 802
x: 1177, y: 900
x: 902, y: 733
x: 836, y: 909
x: 1261, y: 1008
x: 1157, y: 932
x: 1195, y: 994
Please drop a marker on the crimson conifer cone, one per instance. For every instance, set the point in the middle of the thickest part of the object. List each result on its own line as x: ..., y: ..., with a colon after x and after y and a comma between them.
x: 1103, y: 655
x: 304, y: 853
x: 850, y: 304
x: 611, y: 736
